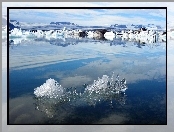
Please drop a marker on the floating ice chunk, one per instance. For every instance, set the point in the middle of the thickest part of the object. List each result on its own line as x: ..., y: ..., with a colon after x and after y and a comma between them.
x: 104, y: 86
x: 51, y: 89
x: 107, y: 84
x: 100, y: 84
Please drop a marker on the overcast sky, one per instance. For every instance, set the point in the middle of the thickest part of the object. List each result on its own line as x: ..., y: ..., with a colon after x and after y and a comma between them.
x: 85, y: 17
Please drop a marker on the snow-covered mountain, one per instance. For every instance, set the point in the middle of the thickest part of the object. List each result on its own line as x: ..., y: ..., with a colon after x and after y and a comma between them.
x: 118, y: 26
x: 41, y: 26
x: 135, y: 26
x: 59, y: 25
x: 153, y: 27
x: 64, y: 23
x: 12, y: 23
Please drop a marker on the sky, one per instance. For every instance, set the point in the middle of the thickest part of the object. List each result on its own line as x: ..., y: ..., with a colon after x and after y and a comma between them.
x: 90, y: 17
x: 121, y: 128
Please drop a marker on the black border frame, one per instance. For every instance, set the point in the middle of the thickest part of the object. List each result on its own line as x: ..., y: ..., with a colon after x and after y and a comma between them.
x: 8, y: 8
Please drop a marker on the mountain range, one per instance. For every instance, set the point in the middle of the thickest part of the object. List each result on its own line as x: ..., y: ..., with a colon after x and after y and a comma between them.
x: 138, y: 26
x: 57, y: 25
x: 63, y: 23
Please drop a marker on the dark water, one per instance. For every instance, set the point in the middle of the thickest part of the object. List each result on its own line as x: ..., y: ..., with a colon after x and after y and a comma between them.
x: 73, y: 63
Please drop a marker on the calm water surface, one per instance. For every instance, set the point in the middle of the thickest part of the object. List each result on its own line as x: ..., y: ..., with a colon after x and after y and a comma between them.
x: 75, y: 62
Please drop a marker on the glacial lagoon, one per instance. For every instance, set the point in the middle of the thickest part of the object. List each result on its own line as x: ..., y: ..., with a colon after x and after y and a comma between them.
x: 76, y: 63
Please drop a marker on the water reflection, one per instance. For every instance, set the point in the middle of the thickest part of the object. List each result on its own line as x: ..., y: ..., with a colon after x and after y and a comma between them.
x: 73, y: 62
x: 51, y: 107
x: 88, y: 58
x: 63, y: 41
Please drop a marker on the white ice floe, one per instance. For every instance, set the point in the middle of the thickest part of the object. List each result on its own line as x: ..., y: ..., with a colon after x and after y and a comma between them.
x: 109, y: 35
x: 145, y: 36
x: 16, y: 33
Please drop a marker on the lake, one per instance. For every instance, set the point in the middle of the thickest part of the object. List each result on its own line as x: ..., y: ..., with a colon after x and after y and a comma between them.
x: 76, y: 63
